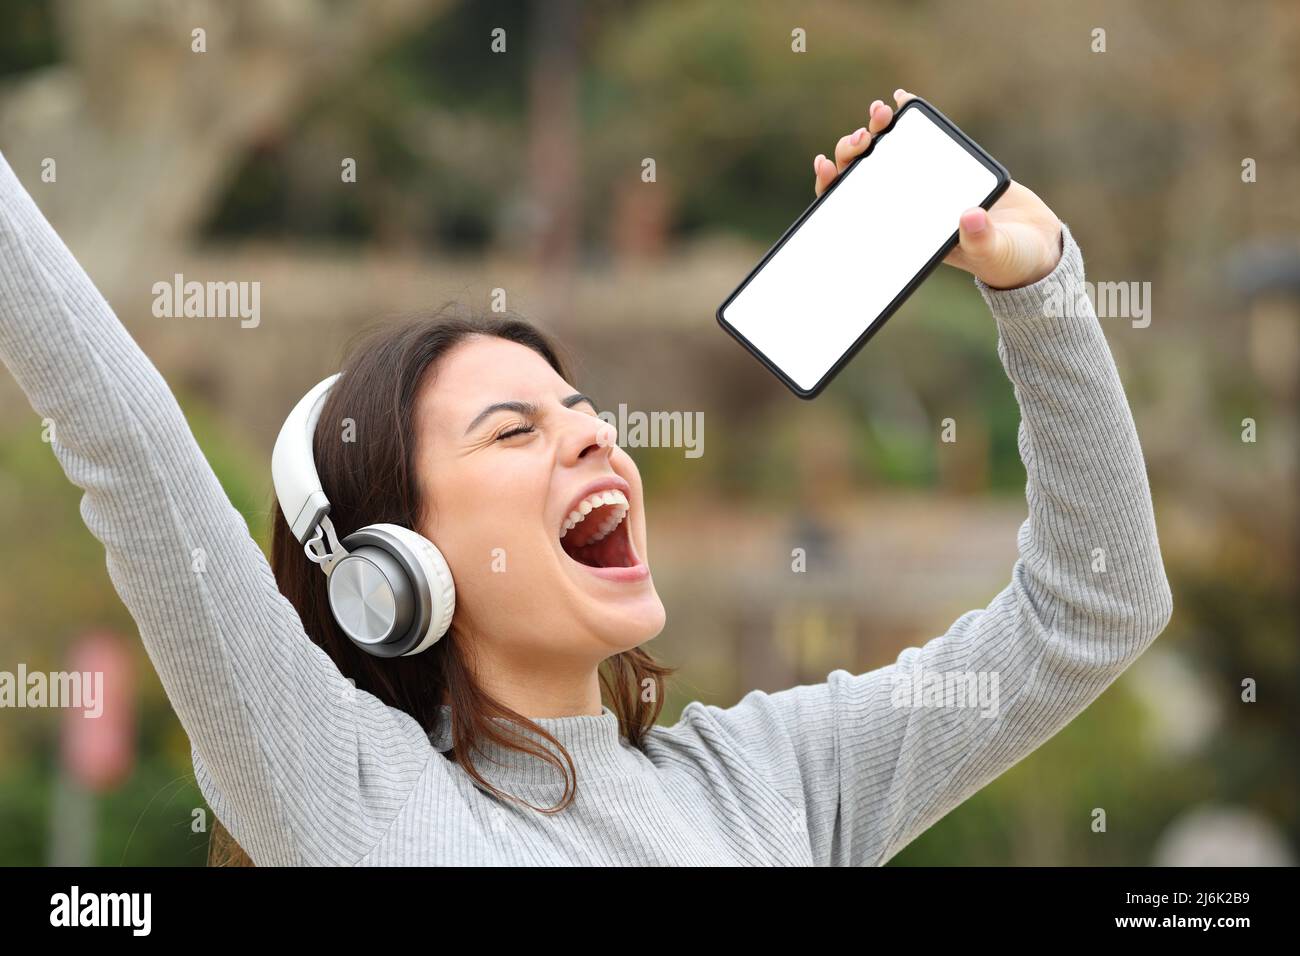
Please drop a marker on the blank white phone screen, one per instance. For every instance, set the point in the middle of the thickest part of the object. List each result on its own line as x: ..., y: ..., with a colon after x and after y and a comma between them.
x: 833, y: 278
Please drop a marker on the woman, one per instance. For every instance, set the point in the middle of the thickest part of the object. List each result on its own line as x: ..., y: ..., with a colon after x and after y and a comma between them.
x: 495, y: 746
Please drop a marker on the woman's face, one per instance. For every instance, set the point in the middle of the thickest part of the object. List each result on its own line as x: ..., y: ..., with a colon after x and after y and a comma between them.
x: 507, y: 455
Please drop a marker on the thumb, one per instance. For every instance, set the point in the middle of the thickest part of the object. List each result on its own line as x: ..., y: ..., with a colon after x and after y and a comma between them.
x: 981, y: 240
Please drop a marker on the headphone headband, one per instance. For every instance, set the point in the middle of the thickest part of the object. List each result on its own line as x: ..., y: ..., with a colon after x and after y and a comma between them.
x: 293, y: 466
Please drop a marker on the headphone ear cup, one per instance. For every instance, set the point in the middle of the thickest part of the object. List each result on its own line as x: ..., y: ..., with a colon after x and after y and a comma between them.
x: 438, y: 580
x: 426, y: 578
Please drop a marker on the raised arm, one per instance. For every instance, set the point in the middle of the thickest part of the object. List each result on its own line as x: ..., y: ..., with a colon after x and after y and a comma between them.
x: 871, y: 761
x: 300, y: 766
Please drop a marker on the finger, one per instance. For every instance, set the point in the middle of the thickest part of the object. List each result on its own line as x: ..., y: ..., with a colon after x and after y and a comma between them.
x: 824, y: 174
x: 901, y: 96
x: 850, y: 147
x: 880, y: 115
x: 980, y: 239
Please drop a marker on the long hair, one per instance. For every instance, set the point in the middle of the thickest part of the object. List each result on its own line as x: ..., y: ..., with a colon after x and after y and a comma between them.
x: 373, y: 480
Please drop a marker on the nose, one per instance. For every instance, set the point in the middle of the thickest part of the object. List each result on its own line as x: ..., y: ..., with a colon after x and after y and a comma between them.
x: 586, y: 437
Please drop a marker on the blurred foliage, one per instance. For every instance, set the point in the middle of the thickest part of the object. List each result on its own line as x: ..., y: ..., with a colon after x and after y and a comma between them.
x: 28, y: 40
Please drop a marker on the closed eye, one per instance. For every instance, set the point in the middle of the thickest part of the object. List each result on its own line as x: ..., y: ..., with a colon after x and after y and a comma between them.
x: 517, y: 430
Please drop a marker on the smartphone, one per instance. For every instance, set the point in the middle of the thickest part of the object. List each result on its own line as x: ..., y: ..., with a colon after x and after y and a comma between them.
x: 861, y: 248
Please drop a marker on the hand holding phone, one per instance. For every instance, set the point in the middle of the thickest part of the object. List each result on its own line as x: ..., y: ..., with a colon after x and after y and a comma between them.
x: 1024, y: 244
x: 886, y: 215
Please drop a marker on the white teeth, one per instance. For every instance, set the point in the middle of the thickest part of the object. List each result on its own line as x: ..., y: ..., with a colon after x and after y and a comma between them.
x: 610, y: 524
x: 587, y: 505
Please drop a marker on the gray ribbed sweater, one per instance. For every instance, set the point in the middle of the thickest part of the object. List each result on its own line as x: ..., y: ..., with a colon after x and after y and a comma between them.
x: 304, y: 769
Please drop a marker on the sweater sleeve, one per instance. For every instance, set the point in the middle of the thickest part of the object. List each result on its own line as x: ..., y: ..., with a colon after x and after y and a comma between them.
x: 870, y: 761
x: 300, y: 766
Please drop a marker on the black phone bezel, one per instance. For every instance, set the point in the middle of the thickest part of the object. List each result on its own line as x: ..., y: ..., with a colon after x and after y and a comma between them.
x: 945, y: 124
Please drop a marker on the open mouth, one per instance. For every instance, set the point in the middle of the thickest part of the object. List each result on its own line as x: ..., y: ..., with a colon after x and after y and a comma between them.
x: 595, y: 532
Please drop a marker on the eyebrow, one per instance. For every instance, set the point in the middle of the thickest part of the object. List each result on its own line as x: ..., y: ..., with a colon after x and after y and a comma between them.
x: 527, y: 409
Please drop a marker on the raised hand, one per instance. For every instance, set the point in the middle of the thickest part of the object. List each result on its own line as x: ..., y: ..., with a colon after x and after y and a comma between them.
x: 1014, y: 244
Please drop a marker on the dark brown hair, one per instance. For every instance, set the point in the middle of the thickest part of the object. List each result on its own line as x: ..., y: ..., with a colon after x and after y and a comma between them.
x: 372, y: 479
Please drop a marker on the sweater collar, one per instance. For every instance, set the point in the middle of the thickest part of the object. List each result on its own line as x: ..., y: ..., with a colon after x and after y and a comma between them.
x: 594, y: 741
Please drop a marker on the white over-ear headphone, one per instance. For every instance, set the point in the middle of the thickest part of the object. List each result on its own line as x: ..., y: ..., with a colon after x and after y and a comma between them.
x: 390, y: 590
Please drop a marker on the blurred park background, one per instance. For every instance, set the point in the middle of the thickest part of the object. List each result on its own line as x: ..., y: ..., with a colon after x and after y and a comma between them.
x: 522, y: 170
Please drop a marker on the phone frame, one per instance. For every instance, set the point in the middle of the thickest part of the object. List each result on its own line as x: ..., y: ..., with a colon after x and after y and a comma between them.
x: 945, y: 124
